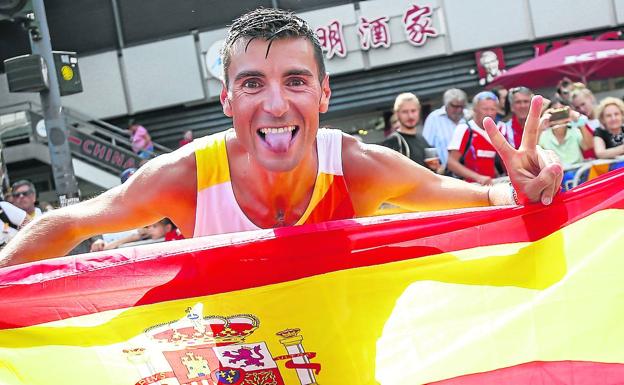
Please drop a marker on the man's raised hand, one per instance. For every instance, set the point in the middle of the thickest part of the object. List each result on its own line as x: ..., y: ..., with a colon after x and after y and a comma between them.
x: 536, y: 174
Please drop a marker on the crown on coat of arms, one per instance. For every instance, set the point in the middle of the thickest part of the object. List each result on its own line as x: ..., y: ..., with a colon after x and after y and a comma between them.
x: 195, y: 329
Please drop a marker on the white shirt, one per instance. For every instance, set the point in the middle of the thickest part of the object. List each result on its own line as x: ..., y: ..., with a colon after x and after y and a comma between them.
x: 16, y: 216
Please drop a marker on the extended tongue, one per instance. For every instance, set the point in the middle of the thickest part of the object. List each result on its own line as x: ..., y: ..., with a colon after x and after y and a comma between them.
x: 279, y: 142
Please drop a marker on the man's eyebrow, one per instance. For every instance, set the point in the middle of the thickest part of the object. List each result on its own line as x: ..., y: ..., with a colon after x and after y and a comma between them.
x: 299, y: 72
x: 247, y: 74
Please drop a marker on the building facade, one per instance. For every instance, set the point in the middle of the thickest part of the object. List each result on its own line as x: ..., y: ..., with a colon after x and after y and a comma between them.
x: 170, y: 81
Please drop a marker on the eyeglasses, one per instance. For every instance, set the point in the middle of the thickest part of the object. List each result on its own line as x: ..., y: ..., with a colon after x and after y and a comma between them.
x: 22, y: 194
x: 457, y: 106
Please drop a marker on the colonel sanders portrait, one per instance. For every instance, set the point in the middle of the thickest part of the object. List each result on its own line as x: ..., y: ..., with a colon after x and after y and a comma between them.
x: 490, y: 64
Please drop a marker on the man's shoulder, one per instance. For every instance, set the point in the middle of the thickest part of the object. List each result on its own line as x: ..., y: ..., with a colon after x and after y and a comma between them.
x: 391, y: 140
x: 212, y: 139
x: 354, y: 150
x: 166, y: 184
x: 461, y: 128
x: 362, y: 161
x: 436, y: 114
x: 438, y: 111
x: 174, y: 164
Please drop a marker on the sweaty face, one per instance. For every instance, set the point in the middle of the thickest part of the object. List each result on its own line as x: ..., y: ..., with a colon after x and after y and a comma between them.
x: 612, y: 118
x: 583, y: 105
x: 408, y: 114
x: 520, y: 105
x: 275, y: 99
x: 484, y: 108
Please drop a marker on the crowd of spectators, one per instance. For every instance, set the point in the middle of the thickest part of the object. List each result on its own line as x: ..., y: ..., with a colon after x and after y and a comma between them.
x: 452, y: 141
x: 18, y: 206
x: 574, y: 125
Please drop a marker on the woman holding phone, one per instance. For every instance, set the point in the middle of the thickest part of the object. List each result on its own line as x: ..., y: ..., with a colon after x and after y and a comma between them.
x: 564, y: 132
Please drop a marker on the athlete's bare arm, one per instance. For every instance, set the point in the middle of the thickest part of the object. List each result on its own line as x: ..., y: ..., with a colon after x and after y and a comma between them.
x: 164, y: 187
x: 375, y: 175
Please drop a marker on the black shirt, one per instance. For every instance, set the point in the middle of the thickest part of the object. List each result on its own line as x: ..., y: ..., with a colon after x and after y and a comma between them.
x: 416, y: 143
x: 610, y: 139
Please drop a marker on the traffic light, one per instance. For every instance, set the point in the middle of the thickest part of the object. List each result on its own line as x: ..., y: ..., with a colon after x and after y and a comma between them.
x: 67, y: 72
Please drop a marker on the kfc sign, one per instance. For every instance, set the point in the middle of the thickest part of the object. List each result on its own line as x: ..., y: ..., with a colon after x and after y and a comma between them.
x: 542, y: 48
x: 589, y: 56
x: 375, y: 32
x: 490, y: 64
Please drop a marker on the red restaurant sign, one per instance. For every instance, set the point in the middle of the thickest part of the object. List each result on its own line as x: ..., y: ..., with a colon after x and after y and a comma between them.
x: 542, y: 48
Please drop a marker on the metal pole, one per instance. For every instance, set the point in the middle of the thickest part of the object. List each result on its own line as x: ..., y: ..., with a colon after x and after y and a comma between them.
x: 60, y: 155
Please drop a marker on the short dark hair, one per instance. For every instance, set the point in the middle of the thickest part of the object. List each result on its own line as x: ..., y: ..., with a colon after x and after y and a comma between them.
x: 23, y: 182
x: 270, y: 24
x: 166, y: 221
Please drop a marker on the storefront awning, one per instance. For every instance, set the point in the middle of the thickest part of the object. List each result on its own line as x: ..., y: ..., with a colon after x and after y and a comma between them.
x: 580, y: 60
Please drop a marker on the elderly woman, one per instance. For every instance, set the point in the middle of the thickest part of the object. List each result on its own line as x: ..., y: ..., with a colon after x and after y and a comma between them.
x: 609, y: 138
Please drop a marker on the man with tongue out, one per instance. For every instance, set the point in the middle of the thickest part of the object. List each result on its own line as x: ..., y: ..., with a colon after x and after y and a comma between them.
x: 275, y: 167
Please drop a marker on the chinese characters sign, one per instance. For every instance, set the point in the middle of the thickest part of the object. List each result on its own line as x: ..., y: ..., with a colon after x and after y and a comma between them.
x: 332, y: 39
x: 417, y: 23
x: 375, y: 32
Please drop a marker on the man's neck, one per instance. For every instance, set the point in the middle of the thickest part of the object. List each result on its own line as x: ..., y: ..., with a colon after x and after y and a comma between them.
x: 268, y: 198
x: 407, y: 130
x: 478, y: 122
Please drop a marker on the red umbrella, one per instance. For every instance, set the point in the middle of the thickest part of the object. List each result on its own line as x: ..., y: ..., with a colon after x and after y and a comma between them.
x: 580, y: 60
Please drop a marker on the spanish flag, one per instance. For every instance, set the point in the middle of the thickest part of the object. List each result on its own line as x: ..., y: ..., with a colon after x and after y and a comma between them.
x: 511, y: 295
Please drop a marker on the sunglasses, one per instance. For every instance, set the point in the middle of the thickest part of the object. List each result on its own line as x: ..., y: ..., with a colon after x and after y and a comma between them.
x: 524, y: 90
x: 457, y: 106
x: 21, y: 194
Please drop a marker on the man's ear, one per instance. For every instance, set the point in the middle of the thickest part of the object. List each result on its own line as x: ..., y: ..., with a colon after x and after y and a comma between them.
x: 325, y: 95
x: 225, y: 101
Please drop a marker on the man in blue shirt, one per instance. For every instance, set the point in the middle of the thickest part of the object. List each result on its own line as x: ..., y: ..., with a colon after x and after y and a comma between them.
x: 441, y: 123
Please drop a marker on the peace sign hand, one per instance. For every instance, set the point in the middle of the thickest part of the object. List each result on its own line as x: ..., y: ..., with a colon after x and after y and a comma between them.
x: 536, y: 174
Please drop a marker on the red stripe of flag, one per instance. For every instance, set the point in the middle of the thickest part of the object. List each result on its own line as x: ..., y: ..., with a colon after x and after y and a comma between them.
x: 162, y: 272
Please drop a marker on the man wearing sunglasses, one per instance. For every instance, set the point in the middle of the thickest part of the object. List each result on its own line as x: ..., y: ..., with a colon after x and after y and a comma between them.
x: 441, y: 123
x: 24, y: 196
